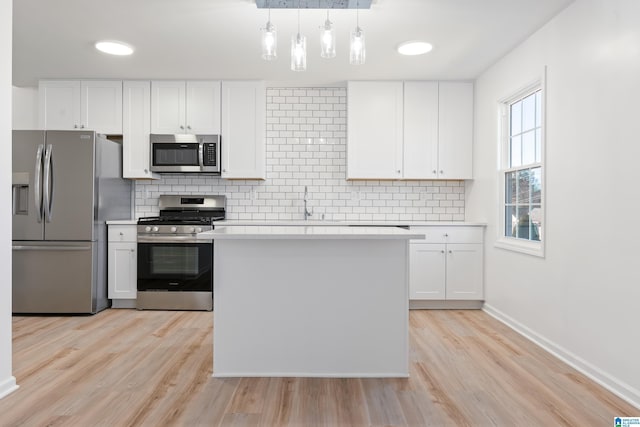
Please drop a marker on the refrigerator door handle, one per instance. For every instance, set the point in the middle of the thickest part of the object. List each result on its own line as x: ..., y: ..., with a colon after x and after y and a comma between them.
x: 38, y: 182
x: 48, y: 182
x: 50, y: 248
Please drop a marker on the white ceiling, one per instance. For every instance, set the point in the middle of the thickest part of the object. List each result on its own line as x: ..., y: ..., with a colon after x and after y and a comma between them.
x: 219, y: 39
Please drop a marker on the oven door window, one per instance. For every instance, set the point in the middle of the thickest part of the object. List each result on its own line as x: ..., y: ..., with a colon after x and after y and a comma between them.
x: 175, y: 267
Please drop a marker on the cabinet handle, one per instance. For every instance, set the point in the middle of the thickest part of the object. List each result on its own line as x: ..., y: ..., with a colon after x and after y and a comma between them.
x: 435, y: 171
x: 132, y: 250
x: 446, y: 234
x: 450, y: 251
x: 81, y: 126
x: 182, y: 127
x: 441, y: 172
x: 398, y: 170
x: 121, y: 233
x: 189, y: 127
x: 146, y: 171
x: 224, y: 170
x: 442, y: 251
x: 75, y: 126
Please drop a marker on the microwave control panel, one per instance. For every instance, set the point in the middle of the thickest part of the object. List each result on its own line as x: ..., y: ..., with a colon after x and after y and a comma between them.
x: 209, y: 154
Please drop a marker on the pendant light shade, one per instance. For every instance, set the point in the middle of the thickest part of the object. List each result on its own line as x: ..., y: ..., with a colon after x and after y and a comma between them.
x: 298, y: 49
x: 269, y: 42
x: 357, y: 50
x: 327, y: 39
x: 298, y: 52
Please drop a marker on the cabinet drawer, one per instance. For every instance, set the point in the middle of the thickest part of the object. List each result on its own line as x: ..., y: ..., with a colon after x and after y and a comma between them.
x: 455, y: 234
x: 122, y: 233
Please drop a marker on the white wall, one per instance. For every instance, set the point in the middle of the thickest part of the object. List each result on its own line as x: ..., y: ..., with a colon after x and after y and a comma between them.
x: 582, y: 301
x: 7, y: 381
x: 25, y: 107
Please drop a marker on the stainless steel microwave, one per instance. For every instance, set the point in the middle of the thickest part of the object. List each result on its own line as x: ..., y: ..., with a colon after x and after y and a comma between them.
x: 185, y: 153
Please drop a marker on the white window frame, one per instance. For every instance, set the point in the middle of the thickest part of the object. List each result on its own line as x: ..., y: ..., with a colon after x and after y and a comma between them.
x: 535, y: 248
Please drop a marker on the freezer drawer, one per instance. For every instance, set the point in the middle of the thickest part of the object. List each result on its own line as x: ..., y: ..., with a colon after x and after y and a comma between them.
x: 55, y: 277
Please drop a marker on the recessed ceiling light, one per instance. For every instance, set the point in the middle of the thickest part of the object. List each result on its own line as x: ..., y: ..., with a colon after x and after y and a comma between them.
x: 114, y: 47
x: 414, y: 48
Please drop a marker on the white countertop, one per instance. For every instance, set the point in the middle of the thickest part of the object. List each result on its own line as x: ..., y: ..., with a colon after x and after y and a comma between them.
x: 237, y: 222
x: 123, y: 222
x: 309, y: 232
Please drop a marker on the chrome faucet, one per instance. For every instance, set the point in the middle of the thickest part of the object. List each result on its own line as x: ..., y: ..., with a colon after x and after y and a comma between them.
x: 307, y: 213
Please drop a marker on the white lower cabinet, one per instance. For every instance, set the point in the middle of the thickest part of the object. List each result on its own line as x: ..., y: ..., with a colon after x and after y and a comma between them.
x: 447, y: 264
x: 122, y: 265
x: 427, y: 274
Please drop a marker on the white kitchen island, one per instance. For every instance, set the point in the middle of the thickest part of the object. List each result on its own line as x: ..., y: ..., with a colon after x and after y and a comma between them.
x: 311, y: 301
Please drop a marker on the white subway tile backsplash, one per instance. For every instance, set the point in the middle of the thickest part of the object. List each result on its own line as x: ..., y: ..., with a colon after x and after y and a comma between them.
x: 306, y: 135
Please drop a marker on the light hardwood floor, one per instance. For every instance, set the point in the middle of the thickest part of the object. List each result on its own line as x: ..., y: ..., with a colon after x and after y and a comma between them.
x: 153, y: 368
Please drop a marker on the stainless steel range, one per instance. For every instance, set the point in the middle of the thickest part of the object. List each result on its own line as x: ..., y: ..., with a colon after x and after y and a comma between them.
x: 175, y: 269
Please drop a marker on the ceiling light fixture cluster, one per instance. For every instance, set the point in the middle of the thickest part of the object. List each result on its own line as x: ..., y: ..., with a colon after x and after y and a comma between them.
x: 357, y: 51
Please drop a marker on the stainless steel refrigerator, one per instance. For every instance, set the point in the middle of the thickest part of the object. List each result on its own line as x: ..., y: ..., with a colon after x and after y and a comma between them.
x: 66, y: 184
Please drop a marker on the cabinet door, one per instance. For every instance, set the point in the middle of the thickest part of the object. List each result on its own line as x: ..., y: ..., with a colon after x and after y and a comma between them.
x: 464, y: 272
x: 374, y: 146
x: 455, y: 143
x: 168, y: 106
x: 122, y: 270
x: 426, y: 271
x: 136, y: 126
x: 420, y: 130
x: 59, y: 104
x: 101, y: 103
x: 243, y: 130
x: 203, y: 107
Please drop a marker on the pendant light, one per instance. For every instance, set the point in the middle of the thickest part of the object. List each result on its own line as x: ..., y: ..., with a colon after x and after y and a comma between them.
x: 327, y: 39
x: 269, y: 40
x: 357, y: 51
x: 298, y: 49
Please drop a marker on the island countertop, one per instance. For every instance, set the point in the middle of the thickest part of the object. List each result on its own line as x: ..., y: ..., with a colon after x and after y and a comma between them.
x: 309, y: 232
x: 345, y: 223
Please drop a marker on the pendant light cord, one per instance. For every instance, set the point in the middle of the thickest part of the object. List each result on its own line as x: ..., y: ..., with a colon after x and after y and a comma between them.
x: 298, y: 17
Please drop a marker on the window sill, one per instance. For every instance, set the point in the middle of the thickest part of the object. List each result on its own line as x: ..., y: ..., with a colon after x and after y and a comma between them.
x: 524, y: 247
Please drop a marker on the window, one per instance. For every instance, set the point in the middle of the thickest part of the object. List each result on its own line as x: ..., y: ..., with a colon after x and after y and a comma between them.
x: 522, y: 182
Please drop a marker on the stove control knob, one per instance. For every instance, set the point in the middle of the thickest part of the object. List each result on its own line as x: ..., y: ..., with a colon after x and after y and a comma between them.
x: 154, y: 229
x: 192, y: 229
x: 174, y: 229
x: 147, y: 229
x: 198, y: 229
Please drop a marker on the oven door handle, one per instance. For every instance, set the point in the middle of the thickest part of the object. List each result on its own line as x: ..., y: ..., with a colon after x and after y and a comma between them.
x: 172, y: 239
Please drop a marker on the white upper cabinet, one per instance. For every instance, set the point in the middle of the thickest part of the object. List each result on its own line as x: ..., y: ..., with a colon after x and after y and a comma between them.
x: 455, y: 129
x: 203, y: 107
x: 420, y: 130
x: 185, y: 107
x: 74, y: 104
x: 135, y: 129
x: 243, y: 130
x: 374, y: 115
x: 410, y: 130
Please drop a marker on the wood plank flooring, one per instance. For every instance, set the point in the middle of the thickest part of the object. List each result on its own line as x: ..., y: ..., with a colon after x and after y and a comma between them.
x: 153, y: 368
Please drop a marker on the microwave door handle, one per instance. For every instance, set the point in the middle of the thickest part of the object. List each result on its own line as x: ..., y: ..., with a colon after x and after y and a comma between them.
x: 38, y: 182
x: 201, y: 155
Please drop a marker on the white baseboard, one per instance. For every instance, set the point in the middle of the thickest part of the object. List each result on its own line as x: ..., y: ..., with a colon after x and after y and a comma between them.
x: 8, y: 386
x: 611, y: 383
x: 415, y: 304
x: 123, y: 303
